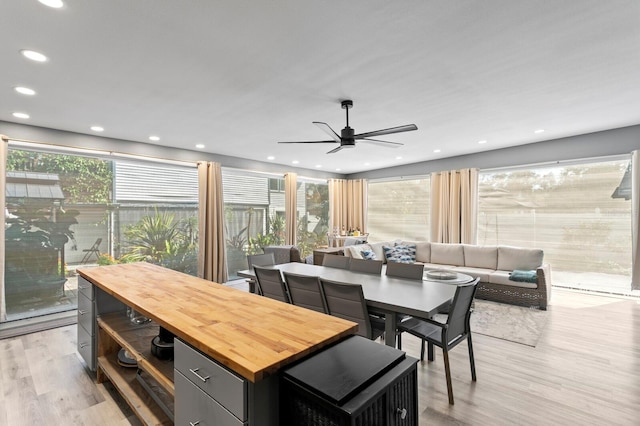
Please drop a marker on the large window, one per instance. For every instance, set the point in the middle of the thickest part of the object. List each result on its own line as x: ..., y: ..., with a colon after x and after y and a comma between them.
x: 313, y: 215
x: 578, y: 214
x: 65, y: 211
x: 399, y: 209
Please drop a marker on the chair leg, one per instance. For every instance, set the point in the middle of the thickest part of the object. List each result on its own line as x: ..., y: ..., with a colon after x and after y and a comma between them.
x: 399, y: 340
x: 471, y: 360
x: 431, y: 355
x: 447, y: 371
x: 422, y: 351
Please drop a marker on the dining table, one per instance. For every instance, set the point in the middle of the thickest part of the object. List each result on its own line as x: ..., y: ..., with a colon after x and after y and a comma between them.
x: 384, y: 294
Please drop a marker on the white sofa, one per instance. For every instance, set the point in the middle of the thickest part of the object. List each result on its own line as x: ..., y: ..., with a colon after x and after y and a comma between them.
x: 492, y: 264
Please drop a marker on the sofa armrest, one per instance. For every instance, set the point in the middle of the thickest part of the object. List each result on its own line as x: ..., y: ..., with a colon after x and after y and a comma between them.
x: 543, y: 274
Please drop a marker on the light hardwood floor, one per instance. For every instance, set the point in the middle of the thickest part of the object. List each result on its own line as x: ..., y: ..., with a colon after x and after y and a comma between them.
x: 585, y: 370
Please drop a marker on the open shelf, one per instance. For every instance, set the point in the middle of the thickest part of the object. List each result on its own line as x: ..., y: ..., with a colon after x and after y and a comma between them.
x: 152, y: 402
x: 124, y: 379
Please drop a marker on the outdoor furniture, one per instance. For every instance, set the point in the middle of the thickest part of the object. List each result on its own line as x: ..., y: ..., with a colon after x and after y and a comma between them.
x: 94, y: 250
x: 346, y: 301
x: 260, y: 260
x: 366, y: 266
x: 305, y: 291
x: 449, y: 334
x: 270, y: 283
x: 386, y: 295
x: 412, y: 271
x: 335, y: 261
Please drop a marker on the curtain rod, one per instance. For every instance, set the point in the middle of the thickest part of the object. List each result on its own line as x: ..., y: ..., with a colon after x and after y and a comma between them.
x: 101, y: 153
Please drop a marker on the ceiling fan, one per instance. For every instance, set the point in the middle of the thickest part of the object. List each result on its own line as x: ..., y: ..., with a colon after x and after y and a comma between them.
x: 348, y: 138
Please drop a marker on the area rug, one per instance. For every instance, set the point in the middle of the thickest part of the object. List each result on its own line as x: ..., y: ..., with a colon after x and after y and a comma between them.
x: 508, y: 322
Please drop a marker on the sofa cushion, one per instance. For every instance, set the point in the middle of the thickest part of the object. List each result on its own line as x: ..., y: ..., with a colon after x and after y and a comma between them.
x: 524, y: 276
x: 423, y: 250
x: 481, y: 273
x: 511, y: 258
x: 368, y: 254
x: 480, y: 256
x: 447, y: 254
x: 400, y: 253
x: 377, y: 249
x: 432, y: 266
x: 502, y: 277
x: 356, y: 251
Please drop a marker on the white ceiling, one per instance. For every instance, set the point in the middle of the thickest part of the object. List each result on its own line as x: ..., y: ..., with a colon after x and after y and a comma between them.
x: 239, y: 75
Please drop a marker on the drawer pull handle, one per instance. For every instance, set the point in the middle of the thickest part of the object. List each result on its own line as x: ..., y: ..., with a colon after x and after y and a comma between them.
x: 83, y: 345
x: 84, y: 287
x: 195, y: 423
x: 402, y: 412
x: 195, y: 372
x: 81, y: 312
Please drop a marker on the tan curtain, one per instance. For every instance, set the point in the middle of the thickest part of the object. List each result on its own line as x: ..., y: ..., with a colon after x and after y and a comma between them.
x: 635, y: 217
x: 348, y: 204
x: 291, y: 207
x: 212, y: 258
x: 4, y: 142
x: 454, y: 206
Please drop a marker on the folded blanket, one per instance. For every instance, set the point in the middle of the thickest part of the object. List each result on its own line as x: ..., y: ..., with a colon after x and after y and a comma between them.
x: 523, y: 276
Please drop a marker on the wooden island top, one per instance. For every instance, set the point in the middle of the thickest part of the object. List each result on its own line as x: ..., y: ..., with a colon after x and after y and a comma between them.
x: 252, y: 335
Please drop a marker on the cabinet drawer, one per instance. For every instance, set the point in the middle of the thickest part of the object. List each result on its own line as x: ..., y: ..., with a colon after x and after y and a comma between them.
x: 86, y: 348
x: 86, y: 314
x: 86, y: 288
x: 196, y: 407
x: 215, y: 380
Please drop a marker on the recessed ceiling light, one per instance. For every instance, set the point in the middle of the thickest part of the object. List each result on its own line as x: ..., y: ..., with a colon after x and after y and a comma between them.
x: 482, y: 141
x: 56, y: 4
x: 154, y: 138
x: 295, y: 162
x: 539, y: 131
x: 25, y: 90
x: 271, y: 157
x: 337, y: 170
x: 97, y: 128
x: 200, y: 146
x: 20, y: 115
x: 367, y: 164
x: 436, y: 151
x: 34, y: 56
x: 318, y: 166
x: 399, y: 157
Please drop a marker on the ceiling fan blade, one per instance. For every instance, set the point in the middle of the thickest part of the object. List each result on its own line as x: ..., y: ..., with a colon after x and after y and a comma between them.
x: 399, y: 129
x: 335, y: 150
x: 382, y: 143
x: 309, y: 142
x: 328, y: 130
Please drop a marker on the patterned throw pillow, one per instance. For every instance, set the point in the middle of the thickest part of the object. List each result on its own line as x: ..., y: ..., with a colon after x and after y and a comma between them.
x: 368, y: 255
x: 402, y: 253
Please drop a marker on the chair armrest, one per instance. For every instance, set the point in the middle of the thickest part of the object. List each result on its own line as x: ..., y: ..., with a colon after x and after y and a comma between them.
x: 543, y: 274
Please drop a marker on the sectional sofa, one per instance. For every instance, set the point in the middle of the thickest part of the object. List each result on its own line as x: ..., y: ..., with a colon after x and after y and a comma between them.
x: 507, y: 274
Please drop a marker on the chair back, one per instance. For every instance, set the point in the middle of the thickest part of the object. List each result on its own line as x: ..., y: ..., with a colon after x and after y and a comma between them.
x: 347, y: 301
x: 366, y: 266
x: 305, y: 291
x: 336, y: 261
x: 266, y: 259
x: 412, y: 271
x: 271, y: 283
x: 460, y: 310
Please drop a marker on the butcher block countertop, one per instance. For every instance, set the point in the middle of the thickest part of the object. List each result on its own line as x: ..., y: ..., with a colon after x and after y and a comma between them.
x: 252, y: 335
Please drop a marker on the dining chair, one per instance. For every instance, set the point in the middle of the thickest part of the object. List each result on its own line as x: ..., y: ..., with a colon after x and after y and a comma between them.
x: 305, y: 291
x: 366, y: 266
x: 412, y: 271
x: 346, y: 301
x: 271, y: 284
x: 336, y: 261
x: 446, y: 335
x: 266, y: 259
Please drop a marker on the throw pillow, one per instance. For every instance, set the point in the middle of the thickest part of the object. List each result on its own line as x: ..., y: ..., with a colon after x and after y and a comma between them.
x: 523, y: 276
x: 368, y: 255
x: 403, y: 253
